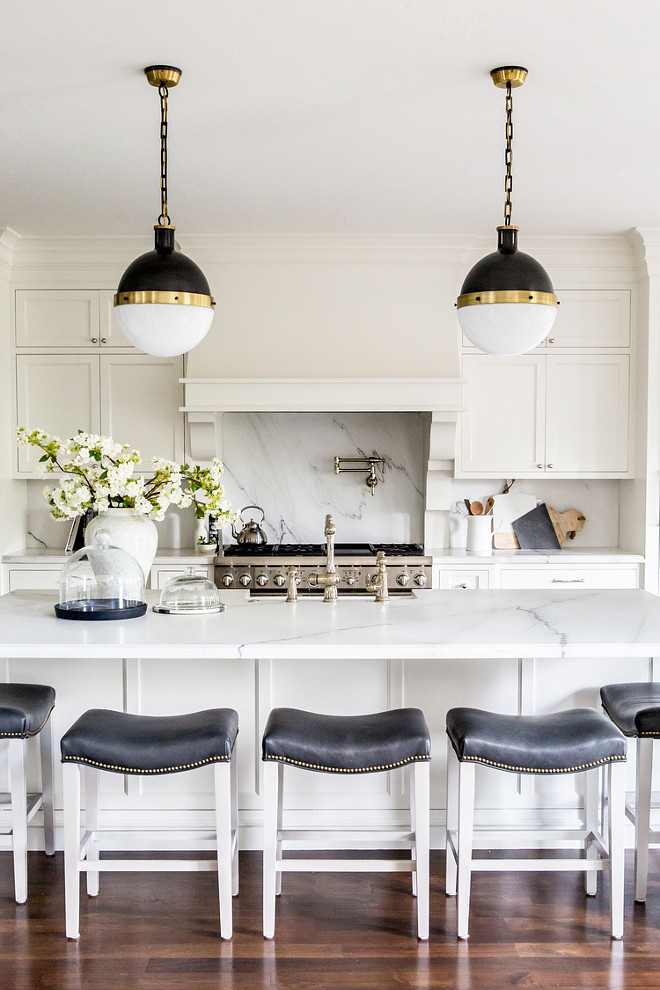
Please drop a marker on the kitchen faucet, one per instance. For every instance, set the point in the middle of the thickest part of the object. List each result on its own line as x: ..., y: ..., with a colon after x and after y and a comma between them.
x: 330, y: 579
x: 379, y: 582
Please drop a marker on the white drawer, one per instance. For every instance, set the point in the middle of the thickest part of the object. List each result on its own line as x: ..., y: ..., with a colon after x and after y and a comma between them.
x: 30, y: 579
x: 570, y: 577
x: 459, y: 580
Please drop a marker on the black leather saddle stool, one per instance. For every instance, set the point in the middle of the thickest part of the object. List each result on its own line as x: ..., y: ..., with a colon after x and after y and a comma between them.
x: 635, y: 709
x: 581, y: 740
x: 346, y: 744
x: 24, y: 713
x: 116, y: 742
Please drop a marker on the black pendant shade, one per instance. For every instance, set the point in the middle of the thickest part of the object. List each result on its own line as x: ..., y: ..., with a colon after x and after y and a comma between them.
x: 507, y: 269
x: 164, y: 270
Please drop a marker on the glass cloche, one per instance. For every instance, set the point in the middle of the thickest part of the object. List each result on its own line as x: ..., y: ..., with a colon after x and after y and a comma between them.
x: 101, y: 582
x: 190, y: 593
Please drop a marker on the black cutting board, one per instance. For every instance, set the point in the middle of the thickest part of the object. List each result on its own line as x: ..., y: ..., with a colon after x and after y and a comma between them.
x: 535, y: 531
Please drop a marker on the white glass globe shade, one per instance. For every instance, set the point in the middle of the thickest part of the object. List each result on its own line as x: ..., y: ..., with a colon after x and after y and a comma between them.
x: 164, y: 329
x: 506, y: 328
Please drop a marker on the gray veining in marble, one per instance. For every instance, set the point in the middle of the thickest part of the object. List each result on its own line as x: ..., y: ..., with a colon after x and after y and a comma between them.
x: 284, y: 463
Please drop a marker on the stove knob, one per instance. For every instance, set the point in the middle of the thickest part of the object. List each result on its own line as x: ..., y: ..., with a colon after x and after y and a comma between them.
x: 227, y: 580
x: 350, y: 580
x: 279, y: 580
x: 244, y: 580
x: 262, y: 580
x: 420, y: 580
x: 402, y: 579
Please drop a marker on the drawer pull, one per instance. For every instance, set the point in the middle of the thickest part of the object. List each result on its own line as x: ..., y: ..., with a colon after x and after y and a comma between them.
x: 567, y: 581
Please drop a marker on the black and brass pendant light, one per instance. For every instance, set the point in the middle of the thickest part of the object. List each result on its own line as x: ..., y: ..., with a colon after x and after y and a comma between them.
x: 507, y: 303
x: 163, y: 303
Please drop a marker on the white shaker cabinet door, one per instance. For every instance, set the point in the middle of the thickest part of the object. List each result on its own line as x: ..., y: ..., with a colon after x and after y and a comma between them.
x: 502, y: 428
x: 591, y: 318
x: 58, y: 393
x: 67, y: 318
x: 587, y: 419
x: 57, y: 318
x: 140, y: 400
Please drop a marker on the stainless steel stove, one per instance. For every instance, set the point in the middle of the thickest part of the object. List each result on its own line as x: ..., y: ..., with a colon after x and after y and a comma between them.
x: 262, y: 567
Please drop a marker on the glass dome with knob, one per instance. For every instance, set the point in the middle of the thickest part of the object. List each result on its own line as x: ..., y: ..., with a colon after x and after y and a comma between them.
x: 101, y: 581
x: 190, y: 593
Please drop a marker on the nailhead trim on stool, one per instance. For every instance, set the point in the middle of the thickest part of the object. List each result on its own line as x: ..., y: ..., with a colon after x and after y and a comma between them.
x: 575, y: 741
x: 117, y: 742
x: 346, y: 744
x: 24, y: 713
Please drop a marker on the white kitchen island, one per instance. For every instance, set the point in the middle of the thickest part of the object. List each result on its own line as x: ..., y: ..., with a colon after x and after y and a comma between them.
x: 513, y: 651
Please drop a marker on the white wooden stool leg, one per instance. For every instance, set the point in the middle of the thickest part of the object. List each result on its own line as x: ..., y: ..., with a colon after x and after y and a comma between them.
x: 413, y: 827
x: 280, y: 803
x: 46, y: 753
x: 18, y: 793
x: 451, y: 805
x: 642, y: 815
x: 234, y: 824
x: 223, y: 816
x: 615, y: 823
x: 591, y: 825
x: 420, y: 798
x: 272, y: 790
x: 71, y: 795
x: 91, y: 778
x: 465, y: 829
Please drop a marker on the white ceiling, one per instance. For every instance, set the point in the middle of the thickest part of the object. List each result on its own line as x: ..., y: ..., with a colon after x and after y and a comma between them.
x: 329, y: 116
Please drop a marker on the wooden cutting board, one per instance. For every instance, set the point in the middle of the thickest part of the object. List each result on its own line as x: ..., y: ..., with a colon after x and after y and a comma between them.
x: 546, y: 529
x: 506, y: 508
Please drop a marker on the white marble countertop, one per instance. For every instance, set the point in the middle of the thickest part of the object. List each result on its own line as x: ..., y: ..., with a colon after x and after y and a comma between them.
x: 56, y: 555
x: 567, y: 555
x: 430, y: 625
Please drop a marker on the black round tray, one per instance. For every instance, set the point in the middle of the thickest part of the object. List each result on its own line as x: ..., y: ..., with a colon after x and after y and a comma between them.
x: 96, y: 610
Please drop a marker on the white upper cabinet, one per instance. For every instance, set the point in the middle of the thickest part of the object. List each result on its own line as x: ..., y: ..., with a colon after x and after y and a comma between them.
x: 134, y: 398
x: 58, y: 393
x: 560, y: 414
x: 591, y: 318
x: 67, y: 318
x: 564, y: 408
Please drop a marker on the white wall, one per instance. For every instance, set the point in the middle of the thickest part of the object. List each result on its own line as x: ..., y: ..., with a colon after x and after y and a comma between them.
x: 12, y: 493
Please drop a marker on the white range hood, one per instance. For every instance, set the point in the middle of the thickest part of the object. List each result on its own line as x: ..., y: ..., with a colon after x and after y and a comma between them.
x: 206, y: 399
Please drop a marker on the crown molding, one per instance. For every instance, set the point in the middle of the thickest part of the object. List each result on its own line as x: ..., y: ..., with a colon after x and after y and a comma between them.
x: 452, y: 253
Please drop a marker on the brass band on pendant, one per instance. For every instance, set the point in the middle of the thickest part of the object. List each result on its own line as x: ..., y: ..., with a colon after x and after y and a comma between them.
x: 162, y: 296
x: 506, y: 296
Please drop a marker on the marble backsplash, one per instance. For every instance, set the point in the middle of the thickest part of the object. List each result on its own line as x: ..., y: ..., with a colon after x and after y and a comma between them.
x: 284, y: 462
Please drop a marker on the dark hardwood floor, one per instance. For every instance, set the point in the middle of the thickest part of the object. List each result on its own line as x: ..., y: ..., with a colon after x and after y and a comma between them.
x: 351, y: 931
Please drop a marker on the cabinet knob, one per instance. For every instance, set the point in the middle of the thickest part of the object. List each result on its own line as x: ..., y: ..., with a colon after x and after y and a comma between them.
x: 551, y: 466
x: 95, y: 340
x: 104, y: 340
x: 540, y: 467
x: 551, y: 340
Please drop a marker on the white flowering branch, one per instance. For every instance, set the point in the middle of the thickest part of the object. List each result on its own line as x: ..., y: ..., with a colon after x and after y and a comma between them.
x: 98, y: 475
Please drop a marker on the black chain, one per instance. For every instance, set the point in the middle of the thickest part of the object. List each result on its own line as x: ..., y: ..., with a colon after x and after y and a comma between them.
x: 163, y: 218
x: 508, y: 156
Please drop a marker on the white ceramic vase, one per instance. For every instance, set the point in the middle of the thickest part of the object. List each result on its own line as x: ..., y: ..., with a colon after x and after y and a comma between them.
x: 131, y: 531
